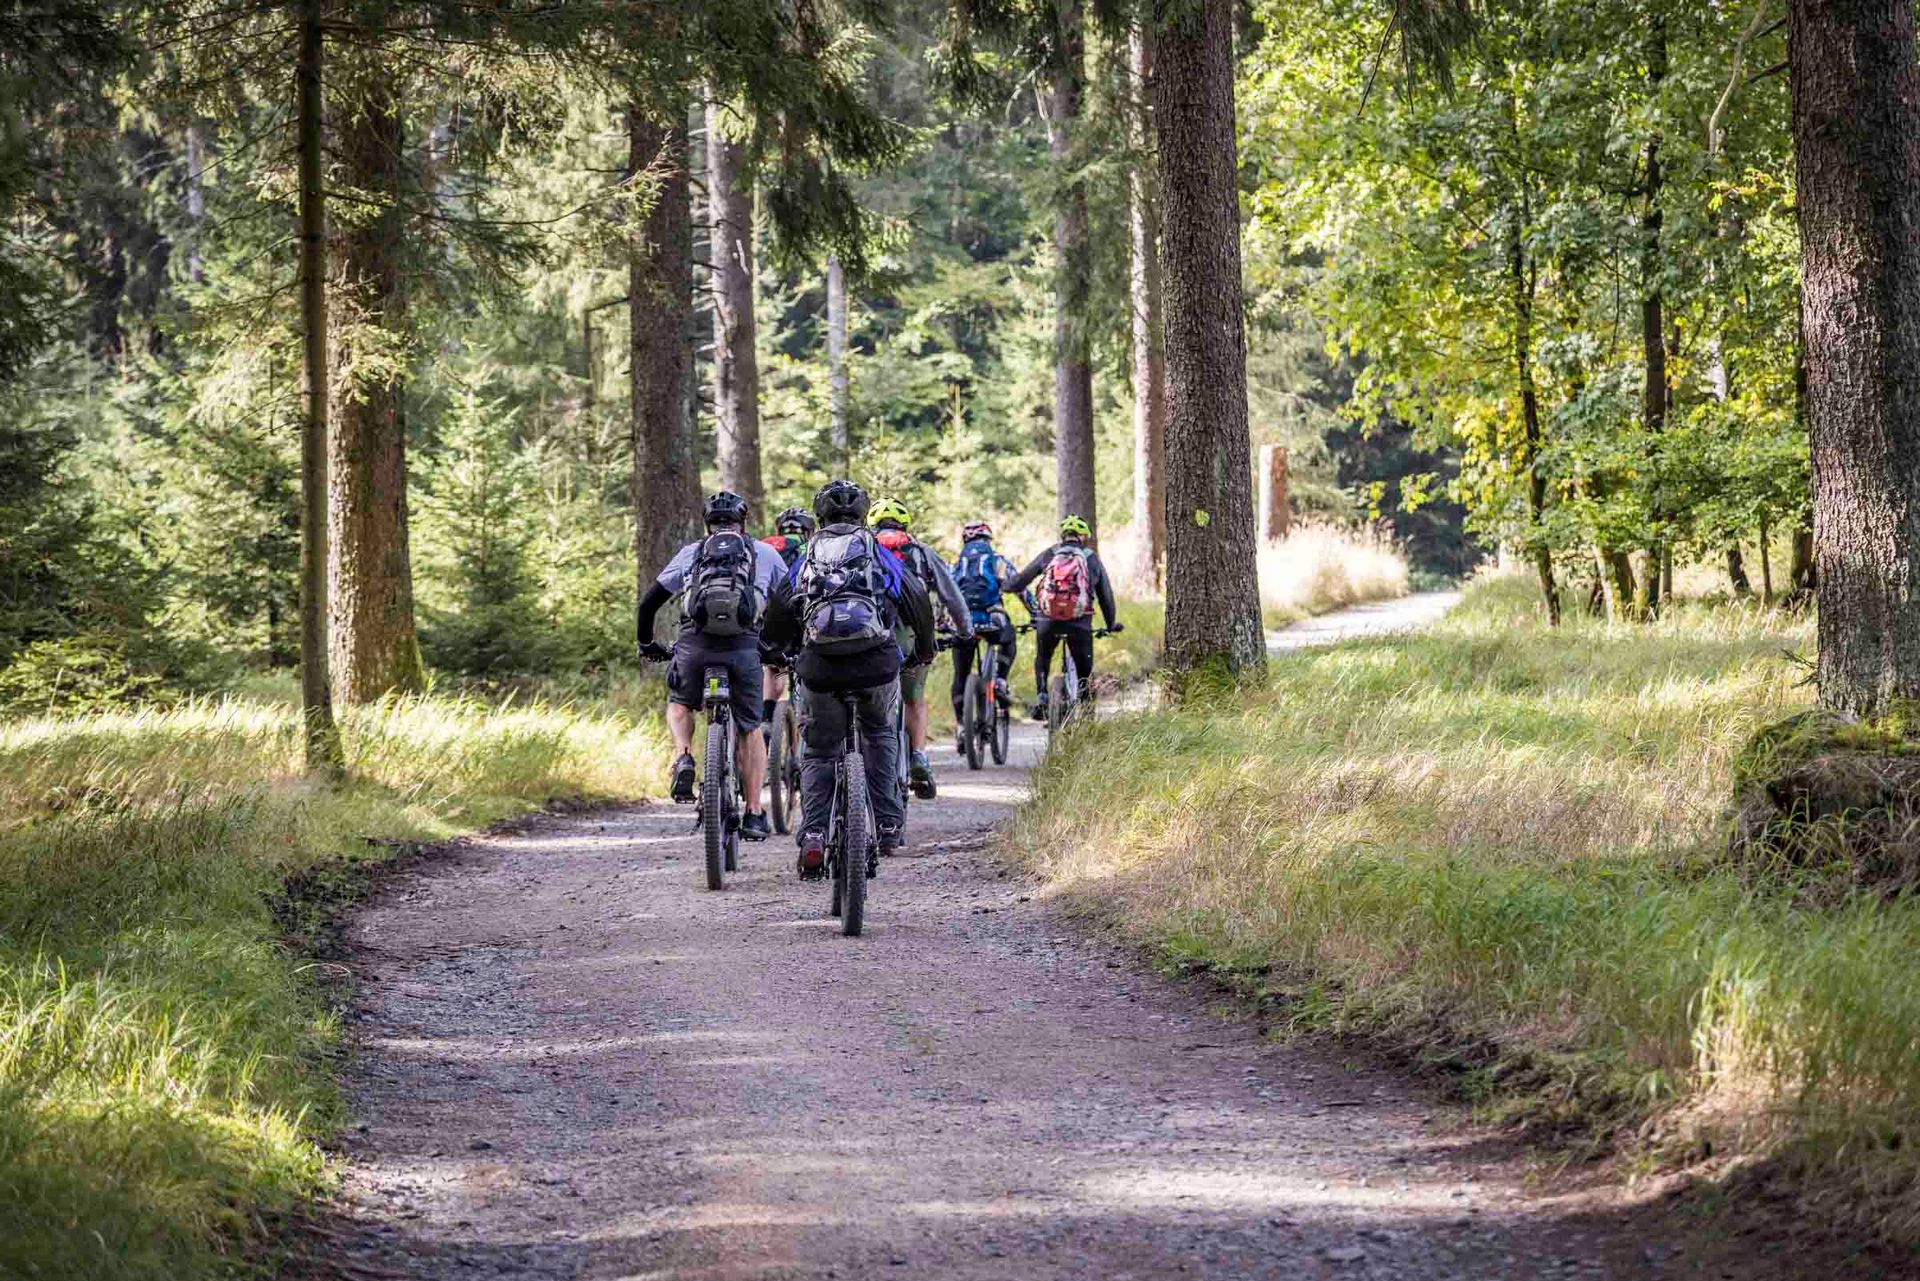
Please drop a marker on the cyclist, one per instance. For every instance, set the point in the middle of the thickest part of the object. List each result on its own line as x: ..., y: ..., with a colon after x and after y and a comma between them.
x: 1071, y: 582
x: 725, y: 580
x: 842, y: 608
x: 982, y: 575
x: 893, y: 523
x: 791, y: 530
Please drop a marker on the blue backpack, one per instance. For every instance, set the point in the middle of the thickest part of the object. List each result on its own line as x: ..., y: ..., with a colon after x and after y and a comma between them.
x: 978, y: 575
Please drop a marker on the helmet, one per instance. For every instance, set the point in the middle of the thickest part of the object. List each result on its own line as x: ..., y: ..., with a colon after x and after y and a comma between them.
x: 840, y: 502
x: 724, y: 508
x: 795, y: 520
x: 890, y: 510
x: 1075, y: 527
x: 975, y: 529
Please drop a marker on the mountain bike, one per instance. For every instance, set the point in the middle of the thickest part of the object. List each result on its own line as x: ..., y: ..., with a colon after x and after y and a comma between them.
x: 853, y: 839
x: 1063, y: 690
x: 783, y: 763
x: 986, y: 718
x: 720, y: 801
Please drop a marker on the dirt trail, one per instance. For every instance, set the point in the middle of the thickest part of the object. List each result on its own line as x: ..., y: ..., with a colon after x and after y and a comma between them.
x: 573, y: 1061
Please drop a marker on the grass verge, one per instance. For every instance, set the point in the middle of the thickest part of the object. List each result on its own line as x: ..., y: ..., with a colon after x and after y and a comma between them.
x: 1513, y: 835
x: 163, y: 1054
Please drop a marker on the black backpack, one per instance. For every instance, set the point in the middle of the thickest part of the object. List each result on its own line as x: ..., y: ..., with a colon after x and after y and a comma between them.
x: 721, y: 597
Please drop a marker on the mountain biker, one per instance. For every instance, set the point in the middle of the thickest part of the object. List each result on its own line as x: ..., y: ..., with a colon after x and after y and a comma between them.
x: 791, y: 530
x: 842, y: 608
x: 726, y: 579
x: 893, y: 524
x: 1071, y: 581
x: 982, y: 575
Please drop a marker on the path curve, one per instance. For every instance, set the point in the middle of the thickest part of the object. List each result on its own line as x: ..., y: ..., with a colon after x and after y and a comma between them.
x: 573, y: 1061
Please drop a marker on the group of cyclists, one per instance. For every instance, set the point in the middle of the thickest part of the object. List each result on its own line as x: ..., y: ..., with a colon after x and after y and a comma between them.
x: 844, y: 598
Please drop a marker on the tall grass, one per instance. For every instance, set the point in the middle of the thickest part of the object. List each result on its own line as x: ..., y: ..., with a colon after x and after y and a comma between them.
x: 1322, y: 567
x: 1511, y: 833
x: 162, y: 1055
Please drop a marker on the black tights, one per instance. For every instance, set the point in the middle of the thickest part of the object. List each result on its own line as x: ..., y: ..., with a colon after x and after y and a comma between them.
x: 1078, y: 638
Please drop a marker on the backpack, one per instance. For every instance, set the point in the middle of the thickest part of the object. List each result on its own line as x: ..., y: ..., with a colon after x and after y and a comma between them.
x: 843, y: 585
x: 722, y: 599
x: 1066, y: 589
x: 978, y: 574
x: 788, y: 547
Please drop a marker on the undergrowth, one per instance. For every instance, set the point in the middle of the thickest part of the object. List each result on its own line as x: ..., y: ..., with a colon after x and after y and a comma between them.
x: 1508, y: 837
x: 163, y: 1053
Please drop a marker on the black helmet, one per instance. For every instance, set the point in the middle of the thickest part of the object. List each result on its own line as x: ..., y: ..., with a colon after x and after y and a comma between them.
x: 841, y: 502
x: 724, y: 508
x: 795, y: 519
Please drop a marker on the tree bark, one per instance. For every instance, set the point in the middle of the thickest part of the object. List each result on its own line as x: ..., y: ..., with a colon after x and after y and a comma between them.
x: 1856, y: 130
x: 666, y: 474
x: 1521, y: 278
x: 736, y: 367
x: 324, y: 754
x: 1653, y: 330
x: 1073, y: 272
x: 1149, y: 335
x: 837, y: 361
x: 370, y: 580
x: 1213, y: 595
x: 1737, y: 572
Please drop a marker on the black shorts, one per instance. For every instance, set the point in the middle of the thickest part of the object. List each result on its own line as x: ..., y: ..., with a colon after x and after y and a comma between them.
x: 687, y: 673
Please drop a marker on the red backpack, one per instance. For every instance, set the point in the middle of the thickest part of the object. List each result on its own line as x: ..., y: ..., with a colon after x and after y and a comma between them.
x: 1066, y: 589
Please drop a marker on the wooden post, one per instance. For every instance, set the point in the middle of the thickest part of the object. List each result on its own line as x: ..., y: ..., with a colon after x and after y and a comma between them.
x: 1276, y: 510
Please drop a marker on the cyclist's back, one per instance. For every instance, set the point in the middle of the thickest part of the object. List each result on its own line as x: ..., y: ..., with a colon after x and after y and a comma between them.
x: 1070, y: 582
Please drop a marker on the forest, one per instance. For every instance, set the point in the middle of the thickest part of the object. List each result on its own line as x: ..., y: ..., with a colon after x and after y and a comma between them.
x: 363, y: 361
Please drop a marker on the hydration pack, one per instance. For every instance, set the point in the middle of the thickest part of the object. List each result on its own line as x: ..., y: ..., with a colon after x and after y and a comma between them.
x: 788, y: 546
x: 1066, y: 589
x: 843, y: 585
x: 978, y: 575
x: 722, y: 599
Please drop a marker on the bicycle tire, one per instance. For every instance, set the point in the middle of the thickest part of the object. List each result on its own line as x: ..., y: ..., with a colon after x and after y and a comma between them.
x: 973, y: 713
x: 859, y: 834
x: 713, y: 814
x: 1002, y: 732
x: 777, y: 768
x: 1056, y: 707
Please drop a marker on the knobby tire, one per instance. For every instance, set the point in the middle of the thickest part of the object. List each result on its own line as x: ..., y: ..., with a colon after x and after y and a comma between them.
x: 973, y: 717
x: 859, y: 835
x: 713, y: 800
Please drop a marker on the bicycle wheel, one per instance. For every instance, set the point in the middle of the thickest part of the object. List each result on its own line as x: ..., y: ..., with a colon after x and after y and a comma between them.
x: 736, y: 807
x: 777, y: 768
x: 1057, y: 696
x: 713, y: 804
x: 1002, y: 732
x: 854, y: 853
x: 974, y: 728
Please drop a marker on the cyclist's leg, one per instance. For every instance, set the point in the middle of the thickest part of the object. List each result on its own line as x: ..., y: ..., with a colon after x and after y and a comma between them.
x: 1007, y: 640
x: 773, y: 683
x: 684, y: 673
x: 1079, y: 640
x: 963, y: 656
x: 823, y: 728
x: 880, y: 744
x: 1046, y: 635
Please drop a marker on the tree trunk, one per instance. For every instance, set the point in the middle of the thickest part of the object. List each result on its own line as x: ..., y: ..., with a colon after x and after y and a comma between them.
x: 1766, y: 563
x: 323, y: 750
x: 1073, y: 271
x: 1737, y: 572
x: 1521, y: 277
x: 370, y: 580
x: 1856, y: 130
x: 666, y: 475
x: 1617, y: 571
x: 1213, y: 595
x: 1149, y: 336
x: 1653, y: 332
x: 736, y: 368
x: 837, y: 361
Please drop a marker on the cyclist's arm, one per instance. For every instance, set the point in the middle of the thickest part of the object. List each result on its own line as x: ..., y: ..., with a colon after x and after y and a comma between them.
x: 950, y: 597
x: 1026, y: 576
x: 780, y: 630
x: 1102, y: 587
x: 650, y: 606
x: 916, y: 611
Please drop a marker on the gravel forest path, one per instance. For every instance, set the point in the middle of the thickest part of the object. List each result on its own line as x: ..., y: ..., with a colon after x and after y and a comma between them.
x: 573, y: 1061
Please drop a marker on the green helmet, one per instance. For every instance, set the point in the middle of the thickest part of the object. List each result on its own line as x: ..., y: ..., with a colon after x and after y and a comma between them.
x: 890, y: 510
x: 1075, y: 527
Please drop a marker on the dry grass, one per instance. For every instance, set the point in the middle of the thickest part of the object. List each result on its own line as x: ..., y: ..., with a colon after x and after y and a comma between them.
x: 1512, y: 830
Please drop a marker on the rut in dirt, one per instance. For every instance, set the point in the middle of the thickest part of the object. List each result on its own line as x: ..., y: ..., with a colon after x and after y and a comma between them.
x: 574, y: 1061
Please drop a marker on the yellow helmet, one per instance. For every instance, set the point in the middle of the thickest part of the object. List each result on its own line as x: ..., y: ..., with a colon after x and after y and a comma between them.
x: 1074, y: 527
x: 888, y: 509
